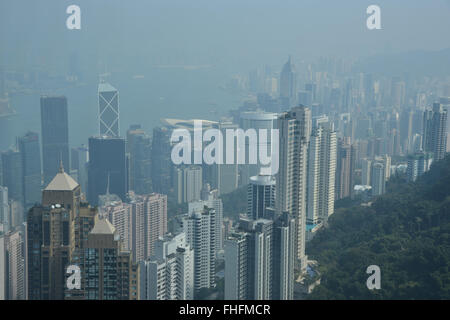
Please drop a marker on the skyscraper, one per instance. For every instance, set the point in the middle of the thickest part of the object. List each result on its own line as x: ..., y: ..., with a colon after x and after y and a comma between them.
x: 12, y: 244
x: 321, y: 173
x: 55, y: 135
x: 108, y: 110
x: 283, y: 257
x: 256, y: 120
x: 366, y: 171
x: 188, y: 183
x: 248, y: 261
x: 160, y: 160
x: 139, y: 148
x: 4, y: 208
x: 119, y: 214
x: 106, y: 160
x: 418, y: 164
x: 50, y: 228
x: 169, y: 273
x: 260, y: 195
x: 345, y: 169
x: 148, y: 223
x: 291, y: 181
x: 31, y: 168
x: 435, y: 131
x: 228, y: 174
x: 378, y: 179
x: 108, y: 270
x: 13, y: 174
x: 287, y: 85
x: 200, y: 230
x: 211, y: 200
x: 79, y: 162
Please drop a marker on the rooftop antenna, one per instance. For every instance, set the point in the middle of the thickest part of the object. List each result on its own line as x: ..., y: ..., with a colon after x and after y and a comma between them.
x: 107, y: 185
x: 61, y: 166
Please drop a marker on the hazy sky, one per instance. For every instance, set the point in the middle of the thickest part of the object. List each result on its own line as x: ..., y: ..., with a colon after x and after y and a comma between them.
x: 234, y: 33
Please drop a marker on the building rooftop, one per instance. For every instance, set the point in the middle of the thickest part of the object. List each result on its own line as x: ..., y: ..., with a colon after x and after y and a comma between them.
x: 105, y: 87
x: 62, y: 182
x: 187, y: 124
x: 103, y: 226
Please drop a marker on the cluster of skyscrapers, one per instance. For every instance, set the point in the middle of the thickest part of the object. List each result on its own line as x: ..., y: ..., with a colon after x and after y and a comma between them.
x: 140, y: 227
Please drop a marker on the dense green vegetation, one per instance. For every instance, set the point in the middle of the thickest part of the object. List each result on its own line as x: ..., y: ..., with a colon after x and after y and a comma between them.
x: 235, y: 203
x: 406, y: 232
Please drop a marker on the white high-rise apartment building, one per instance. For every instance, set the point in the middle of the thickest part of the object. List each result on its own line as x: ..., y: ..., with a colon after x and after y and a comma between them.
x: 435, y: 131
x: 13, y: 265
x: 188, y: 183
x: 321, y: 173
x: 119, y: 214
x: 211, y: 200
x: 148, y: 223
x: 169, y: 273
x: 294, y: 133
x: 200, y: 229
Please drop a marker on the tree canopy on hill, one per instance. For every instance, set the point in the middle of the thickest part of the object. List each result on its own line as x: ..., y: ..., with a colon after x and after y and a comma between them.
x: 406, y: 232
x: 235, y: 203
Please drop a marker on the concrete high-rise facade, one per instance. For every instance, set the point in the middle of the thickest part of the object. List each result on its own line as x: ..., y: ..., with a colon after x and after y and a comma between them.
x: 169, y: 273
x: 345, y: 169
x: 211, y: 200
x: 283, y: 262
x: 236, y: 266
x: 188, y: 183
x: 255, y: 120
x: 248, y: 261
x: 160, y: 160
x: 228, y: 174
x: 4, y: 209
x: 148, y: 223
x: 287, y: 85
x: 139, y: 148
x: 48, y: 229
x: 378, y: 179
x: 294, y: 133
x: 200, y: 230
x: 108, y: 269
x: 435, y: 131
x: 79, y: 162
x: 13, y: 264
x: 51, y: 228
x: 120, y: 215
x: 418, y: 164
x: 260, y: 195
x: 321, y: 173
x: 55, y: 135
x: 108, y: 110
x: 107, y: 162
x: 366, y: 166
x: 13, y: 174
x: 29, y: 149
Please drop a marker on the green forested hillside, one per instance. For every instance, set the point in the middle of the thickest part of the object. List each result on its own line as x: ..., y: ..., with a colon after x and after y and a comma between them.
x: 406, y: 232
x: 235, y: 203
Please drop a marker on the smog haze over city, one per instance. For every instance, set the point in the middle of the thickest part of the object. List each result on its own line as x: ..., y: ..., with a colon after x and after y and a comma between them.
x: 224, y: 150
